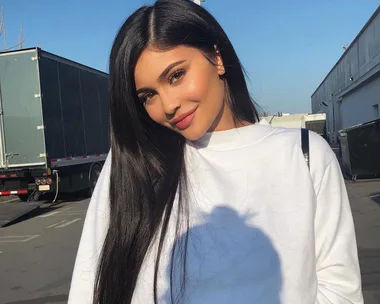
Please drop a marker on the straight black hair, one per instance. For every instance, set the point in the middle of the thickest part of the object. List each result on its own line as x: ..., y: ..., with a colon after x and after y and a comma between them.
x: 148, y: 168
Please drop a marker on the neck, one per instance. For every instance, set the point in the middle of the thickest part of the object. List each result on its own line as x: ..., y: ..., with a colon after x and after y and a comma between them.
x: 225, y: 120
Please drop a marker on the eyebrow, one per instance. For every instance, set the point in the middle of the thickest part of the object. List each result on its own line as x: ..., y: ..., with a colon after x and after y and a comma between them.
x: 162, y: 75
x: 168, y: 69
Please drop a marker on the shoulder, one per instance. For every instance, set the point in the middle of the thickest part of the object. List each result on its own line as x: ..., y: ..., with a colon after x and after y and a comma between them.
x: 290, y: 137
x: 104, y: 177
x: 99, y: 203
x: 320, y: 152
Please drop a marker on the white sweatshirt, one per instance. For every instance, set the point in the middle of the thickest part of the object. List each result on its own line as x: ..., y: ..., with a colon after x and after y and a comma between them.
x: 263, y: 228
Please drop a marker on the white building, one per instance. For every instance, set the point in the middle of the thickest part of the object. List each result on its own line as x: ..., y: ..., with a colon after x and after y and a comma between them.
x: 314, y: 122
x: 350, y: 93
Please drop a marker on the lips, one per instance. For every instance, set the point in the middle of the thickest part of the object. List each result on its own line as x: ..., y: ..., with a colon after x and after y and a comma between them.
x: 184, y: 120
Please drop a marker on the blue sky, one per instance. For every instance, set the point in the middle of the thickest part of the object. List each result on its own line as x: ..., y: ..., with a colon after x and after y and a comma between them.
x: 287, y: 46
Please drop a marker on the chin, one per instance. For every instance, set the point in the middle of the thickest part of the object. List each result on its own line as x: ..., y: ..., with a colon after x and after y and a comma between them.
x: 193, y: 133
x: 192, y: 137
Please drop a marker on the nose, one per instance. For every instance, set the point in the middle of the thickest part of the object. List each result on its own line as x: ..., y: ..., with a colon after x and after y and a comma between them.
x: 170, y: 104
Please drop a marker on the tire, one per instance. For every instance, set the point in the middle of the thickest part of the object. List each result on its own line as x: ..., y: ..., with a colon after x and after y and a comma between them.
x: 24, y: 197
x: 31, y: 196
x: 93, y: 178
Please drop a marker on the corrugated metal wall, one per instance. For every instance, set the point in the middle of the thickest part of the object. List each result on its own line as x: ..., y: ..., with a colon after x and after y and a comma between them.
x: 75, y: 108
x: 362, y: 105
x: 360, y: 63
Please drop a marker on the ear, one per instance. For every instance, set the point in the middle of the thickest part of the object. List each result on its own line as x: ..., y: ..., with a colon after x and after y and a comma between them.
x: 219, y: 62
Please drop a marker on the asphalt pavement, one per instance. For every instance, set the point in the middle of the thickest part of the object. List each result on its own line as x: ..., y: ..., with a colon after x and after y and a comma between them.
x: 365, y: 205
x: 37, y: 253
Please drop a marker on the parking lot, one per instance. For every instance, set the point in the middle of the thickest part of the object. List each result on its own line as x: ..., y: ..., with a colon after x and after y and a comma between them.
x: 365, y: 203
x: 37, y: 253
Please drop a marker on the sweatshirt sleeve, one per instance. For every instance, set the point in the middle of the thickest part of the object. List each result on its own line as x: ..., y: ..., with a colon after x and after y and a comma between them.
x: 91, y: 242
x: 337, y: 264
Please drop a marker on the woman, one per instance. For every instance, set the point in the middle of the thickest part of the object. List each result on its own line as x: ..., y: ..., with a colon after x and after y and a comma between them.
x: 198, y: 201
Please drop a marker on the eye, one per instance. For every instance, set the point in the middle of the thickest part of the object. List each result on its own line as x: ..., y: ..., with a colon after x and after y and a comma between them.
x: 145, y: 98
x: 177, y: 75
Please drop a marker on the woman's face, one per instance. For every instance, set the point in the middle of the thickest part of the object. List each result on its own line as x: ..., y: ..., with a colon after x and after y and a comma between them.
x: 182, y: 90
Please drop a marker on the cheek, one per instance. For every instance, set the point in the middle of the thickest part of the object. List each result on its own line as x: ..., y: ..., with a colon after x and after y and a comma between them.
x: 196, y: 89
x: 191, y: 91
x: 211, y: 94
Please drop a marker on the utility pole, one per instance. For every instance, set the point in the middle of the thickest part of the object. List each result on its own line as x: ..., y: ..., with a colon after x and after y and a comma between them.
x: 4, y: 33
x: 2, y: 27
x: 20, y: 38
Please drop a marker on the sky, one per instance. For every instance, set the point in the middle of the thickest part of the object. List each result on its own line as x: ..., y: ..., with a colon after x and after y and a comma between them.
x: 286, y: 46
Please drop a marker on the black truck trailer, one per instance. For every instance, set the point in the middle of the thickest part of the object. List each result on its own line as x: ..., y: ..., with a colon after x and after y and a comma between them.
x: 54, y: 124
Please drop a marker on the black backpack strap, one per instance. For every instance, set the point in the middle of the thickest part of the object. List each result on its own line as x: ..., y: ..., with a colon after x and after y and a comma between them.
x: 305, y: 145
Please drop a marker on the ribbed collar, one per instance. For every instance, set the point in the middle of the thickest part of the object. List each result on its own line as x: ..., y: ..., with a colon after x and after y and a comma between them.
x: 233, y: 138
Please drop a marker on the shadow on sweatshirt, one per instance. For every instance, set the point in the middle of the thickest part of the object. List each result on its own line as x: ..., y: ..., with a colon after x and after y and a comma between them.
x: 227, y: 261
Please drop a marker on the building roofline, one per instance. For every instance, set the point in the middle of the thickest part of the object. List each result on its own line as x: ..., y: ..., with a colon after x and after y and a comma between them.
x: 350, y: 46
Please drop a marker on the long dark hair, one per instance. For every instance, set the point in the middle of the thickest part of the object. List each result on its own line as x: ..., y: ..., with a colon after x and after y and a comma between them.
x: 148, y: 168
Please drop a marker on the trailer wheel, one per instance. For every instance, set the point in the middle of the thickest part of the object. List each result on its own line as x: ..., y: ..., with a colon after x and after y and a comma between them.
x: 96, y: 169
x: 24, y: 197
x: 31, y: 196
